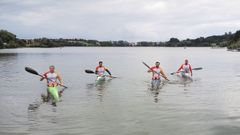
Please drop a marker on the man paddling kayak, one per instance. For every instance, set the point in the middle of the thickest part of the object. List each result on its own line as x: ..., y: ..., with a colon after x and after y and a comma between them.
x: 185, y: 68
x: 157, y: 72
x: 52, y: 77
x: 100, y: 70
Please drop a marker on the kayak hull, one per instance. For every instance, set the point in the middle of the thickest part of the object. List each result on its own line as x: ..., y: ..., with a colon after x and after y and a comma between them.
x: 101, y: 78
x: 53, y: 91
x: 186, y: 76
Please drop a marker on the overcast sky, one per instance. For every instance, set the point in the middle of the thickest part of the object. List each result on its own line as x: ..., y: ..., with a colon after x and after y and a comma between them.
x: 131, y: 20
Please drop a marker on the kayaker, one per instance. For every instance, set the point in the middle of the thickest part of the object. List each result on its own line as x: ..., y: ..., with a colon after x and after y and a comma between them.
x: 185, y: 68
x: 157, y: 72
x: 52, y: 77
x: 100, y: 70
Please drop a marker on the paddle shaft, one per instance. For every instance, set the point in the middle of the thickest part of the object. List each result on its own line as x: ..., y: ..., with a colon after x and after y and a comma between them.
x: 56, y: 82
x: 148, y: 67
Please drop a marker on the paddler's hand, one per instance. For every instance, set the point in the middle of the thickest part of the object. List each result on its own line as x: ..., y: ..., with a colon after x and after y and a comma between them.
x: 41, y: 79
x: 61, y: 84
x: 110, y: 76
x: 166, y: 78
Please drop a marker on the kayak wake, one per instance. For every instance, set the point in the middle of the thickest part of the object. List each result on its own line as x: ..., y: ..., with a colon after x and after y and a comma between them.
x: 44, y: 99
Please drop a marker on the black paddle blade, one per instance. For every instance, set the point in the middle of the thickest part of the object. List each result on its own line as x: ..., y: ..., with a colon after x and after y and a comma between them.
x: 173, y: 73
x: 89, y: 71
x: 32, y: 71
x: 200, y: 68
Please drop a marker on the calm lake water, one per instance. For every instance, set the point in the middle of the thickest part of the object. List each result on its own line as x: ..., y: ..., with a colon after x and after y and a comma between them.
x: 210, y: 105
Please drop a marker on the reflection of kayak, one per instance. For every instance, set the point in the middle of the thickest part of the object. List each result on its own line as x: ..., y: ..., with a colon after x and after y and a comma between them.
x: 53, y: 91
x: 101, y: 78
x: 186, y: 76
x: 156, y: 83
x: 54, y: 98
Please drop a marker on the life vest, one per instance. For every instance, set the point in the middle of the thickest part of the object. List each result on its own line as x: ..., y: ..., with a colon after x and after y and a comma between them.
x: 156, y: 73
x: 186, y: 68
x: 101, y: 70
x: 51, y: 78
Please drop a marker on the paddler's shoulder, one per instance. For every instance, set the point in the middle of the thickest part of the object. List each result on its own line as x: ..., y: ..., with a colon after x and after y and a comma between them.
x: 97, y: 67
x: 45, y: 73
x: 56, y: 72
x: 153, y: 67
x: 105, y: 67
x: 161, y: 68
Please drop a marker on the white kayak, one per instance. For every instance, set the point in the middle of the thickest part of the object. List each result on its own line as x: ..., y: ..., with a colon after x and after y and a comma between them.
x: 101, y: 78
x: 186, y: 76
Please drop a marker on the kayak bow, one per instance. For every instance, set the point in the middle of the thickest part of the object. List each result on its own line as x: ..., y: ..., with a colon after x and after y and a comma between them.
x: 101, y: 78
x: 186, y: 76
x: 53, y: 91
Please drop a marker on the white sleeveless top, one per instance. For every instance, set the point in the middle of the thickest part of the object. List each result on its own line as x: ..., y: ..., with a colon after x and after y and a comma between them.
x: 51, y: 77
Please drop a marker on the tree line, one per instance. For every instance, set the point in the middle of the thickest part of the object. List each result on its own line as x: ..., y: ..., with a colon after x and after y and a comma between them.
x: 10, y: 40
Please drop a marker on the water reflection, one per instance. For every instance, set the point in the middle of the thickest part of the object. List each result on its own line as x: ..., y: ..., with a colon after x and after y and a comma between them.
x: 182, y: 81
x: 8, y: 55
x: 7, y: 62
x: 38, y: 102
x: 100, y: 87
x: 155, y: 93
x: 33, y: 120
x: 38, y: 116
x: 156, y: 90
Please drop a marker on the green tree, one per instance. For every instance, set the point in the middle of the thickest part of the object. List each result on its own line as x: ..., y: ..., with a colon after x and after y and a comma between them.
x: 7, y: 36
x: 236, y: 37
x: 1, y: 43
x: 174, y: 40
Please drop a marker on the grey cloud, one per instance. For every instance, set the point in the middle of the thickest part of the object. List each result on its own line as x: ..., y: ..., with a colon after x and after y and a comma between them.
x: 131, y: 20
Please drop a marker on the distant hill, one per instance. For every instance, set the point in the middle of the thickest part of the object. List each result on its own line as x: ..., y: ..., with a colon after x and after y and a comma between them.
x: 10, y: 40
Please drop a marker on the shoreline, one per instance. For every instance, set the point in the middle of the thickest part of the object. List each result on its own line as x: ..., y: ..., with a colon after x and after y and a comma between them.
x: 118, y: 47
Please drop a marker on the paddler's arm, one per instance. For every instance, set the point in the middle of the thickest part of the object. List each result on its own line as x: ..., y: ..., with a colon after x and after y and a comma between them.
x: 108, y: 72
x: 44, y: 76
x: 60, y: 79
x: 163, y: 74
x: 180, y: 68
x: 150, y: 70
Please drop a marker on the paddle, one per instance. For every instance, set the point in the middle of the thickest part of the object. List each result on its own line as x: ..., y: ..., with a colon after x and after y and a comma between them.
x: 92, y: 72
x: 89, y: 71
x: 147, y: 65
x: 151, y: 69
x: 32, y: 71
x: 199, y: 68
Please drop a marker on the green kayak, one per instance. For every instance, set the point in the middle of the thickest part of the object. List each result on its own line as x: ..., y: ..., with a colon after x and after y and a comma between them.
x: 54, y: 93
